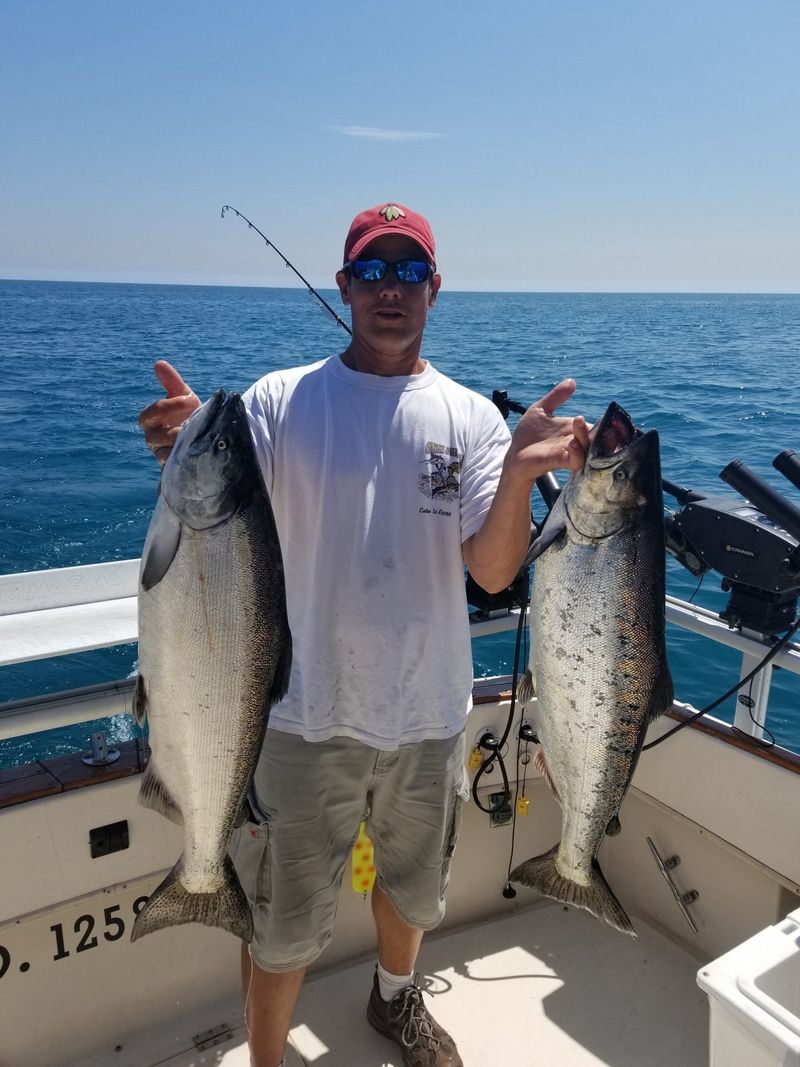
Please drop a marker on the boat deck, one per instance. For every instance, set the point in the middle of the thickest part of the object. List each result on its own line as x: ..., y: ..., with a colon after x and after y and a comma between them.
x: 545, y: 985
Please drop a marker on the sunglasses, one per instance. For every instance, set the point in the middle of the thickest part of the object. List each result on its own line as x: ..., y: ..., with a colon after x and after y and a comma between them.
x: 410, y: 271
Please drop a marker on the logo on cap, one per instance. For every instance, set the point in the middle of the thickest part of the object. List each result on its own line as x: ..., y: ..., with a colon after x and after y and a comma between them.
x: 392, y: 212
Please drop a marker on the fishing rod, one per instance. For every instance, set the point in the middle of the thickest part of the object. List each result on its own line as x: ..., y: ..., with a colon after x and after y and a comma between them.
x: 269, y: 244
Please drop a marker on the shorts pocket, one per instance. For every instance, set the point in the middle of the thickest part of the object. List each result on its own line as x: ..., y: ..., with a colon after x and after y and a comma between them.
x: 251, y: 858
x: 460, y: 795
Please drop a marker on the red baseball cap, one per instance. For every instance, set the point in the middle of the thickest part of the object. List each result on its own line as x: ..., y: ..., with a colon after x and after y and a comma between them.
x: 388, y: 218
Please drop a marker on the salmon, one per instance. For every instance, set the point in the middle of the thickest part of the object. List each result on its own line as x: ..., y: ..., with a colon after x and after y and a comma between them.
x: 598, y: 665
x: 215, y: 654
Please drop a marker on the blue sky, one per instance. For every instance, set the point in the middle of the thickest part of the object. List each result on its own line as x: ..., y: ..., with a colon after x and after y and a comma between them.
x: 598, y: 145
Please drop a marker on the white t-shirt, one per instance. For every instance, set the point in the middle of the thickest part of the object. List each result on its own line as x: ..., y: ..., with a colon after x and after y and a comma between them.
x: 375, y: 483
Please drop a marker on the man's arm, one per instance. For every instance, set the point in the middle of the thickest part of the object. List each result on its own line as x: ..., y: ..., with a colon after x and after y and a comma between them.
x: 541, y: 442
x: 162, y: 420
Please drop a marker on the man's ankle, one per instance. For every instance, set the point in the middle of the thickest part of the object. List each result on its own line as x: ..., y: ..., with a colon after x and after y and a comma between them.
x: 391, y: 984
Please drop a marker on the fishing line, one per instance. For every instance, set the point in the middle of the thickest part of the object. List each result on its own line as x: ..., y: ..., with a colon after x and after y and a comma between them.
x: 697, y: 588
x: 767, y: 744
x: 508, y: 891
x: 520, y: 644
x: 492, y: 743
x: 776, y: 648
x: 247, y: 994
x: 269, y: 244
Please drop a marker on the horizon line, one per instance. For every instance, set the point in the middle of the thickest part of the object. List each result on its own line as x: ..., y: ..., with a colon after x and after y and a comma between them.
x: 443, y: 292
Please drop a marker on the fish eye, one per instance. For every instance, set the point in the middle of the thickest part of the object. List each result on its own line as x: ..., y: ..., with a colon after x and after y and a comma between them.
x: 620, y: 474
x: 221, y: 444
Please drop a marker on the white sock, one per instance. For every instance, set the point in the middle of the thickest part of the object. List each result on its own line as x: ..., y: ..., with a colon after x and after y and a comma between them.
x: 391, y: 984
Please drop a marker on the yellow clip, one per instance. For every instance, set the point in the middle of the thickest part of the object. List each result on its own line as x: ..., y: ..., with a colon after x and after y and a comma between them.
x: 475, y: 759
x: 363, y: 862
x: 522, y: 805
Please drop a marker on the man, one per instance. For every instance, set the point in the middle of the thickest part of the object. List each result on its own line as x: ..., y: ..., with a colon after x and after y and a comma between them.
x: 385, y: 478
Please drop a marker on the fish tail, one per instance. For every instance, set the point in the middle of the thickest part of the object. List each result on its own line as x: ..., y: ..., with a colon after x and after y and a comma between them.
x: 170, y: 904
x: 541, y: 874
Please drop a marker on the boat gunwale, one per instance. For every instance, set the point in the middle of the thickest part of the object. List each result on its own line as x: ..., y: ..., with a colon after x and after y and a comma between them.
x: 68, y: 772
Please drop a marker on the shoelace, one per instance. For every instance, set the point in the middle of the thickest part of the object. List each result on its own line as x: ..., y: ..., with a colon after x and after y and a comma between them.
x: 418, y: 1027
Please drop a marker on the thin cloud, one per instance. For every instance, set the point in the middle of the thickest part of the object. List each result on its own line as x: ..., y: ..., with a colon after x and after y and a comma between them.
x: 376, y: 133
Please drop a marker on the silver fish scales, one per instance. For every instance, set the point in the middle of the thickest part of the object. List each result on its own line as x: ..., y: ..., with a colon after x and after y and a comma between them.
x: 214, y: 655
x: 598, y: 652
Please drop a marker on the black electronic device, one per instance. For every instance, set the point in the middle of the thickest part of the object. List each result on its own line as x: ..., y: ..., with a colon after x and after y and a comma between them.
x: 758, y: 560
x: 754, y: 543
x: 733, y: 537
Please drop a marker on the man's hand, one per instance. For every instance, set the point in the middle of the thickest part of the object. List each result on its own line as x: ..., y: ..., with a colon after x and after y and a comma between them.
x: 162, y: 420
x: 543, y: 441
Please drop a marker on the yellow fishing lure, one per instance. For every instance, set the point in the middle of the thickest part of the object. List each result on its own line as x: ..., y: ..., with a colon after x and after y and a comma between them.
x: 363, y: 862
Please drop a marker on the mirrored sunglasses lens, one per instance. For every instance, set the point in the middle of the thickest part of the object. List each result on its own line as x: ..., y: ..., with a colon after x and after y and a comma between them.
x: 412, y: 271
x: 369, y: 270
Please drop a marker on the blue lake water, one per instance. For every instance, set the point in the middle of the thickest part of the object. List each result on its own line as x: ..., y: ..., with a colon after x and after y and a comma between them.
x: 715, y: 374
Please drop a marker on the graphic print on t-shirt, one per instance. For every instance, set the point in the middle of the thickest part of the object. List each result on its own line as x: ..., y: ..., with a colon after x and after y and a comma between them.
x: 444, y: 465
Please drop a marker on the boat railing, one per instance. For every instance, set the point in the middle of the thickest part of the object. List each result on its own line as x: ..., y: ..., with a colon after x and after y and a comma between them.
x: 51, y: 613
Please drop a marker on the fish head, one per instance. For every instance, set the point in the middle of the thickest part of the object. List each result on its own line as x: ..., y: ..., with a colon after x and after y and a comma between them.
x: 621, y: 476
x: 211, y: 470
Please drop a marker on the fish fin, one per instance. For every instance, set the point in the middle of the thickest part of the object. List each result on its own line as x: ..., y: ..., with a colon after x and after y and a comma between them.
x: 541, y: 874
x: 163, y: 546
x: 139, y: 706
x: 170, y: 904
x: 614, y: 826
x: 154, y: 794
x: 541, y: 765
x: 663, y: 695
x: 526, y: 690
x: 280, y: 681
x: 543, y: 542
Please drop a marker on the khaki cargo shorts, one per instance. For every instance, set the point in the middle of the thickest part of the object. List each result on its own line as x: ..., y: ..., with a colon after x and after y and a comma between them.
x: 308, y: 800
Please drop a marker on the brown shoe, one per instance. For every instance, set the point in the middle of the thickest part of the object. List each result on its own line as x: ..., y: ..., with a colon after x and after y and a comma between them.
x: 406, y: 1020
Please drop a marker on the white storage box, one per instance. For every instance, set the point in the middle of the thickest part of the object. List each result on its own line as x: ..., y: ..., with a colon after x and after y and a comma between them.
x: 754, y: 998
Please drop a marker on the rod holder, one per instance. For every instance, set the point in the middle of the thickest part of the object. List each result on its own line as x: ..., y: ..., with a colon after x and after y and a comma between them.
x: 788, y: 464
x: 766, y: 499
x: 101, y: 754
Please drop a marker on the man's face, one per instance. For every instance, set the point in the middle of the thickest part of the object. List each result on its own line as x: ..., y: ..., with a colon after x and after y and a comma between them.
x: 389, y: 315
